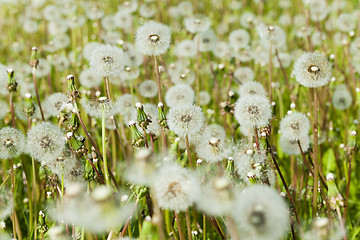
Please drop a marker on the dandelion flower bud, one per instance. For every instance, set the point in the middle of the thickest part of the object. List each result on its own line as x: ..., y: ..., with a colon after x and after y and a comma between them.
x: 197, y: 23
x: 12, y: 143
x: 153, y: 38
x: 342, y: 98
x: 34, y: 61
x: 175, y: 188
x: 185, y: 120
x: 295, y: 126
x: 45, y: 142
x: 148, y: 89
x: 312, y: 70
x: 179, y: 94
x: 107, y: 60
x: 253, y: 110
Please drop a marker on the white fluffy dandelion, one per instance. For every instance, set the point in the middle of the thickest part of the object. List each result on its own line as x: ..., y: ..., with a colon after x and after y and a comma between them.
x: 342, y: 98
x: 45, y: 142
x: 312, y: 70
x: 179, y: 94
x: 96, y: 107
x: 197, y: 23
x: 185, y: 120
x: 12, y: 143
x: 291, y: 146
x: 148, y: 89
x: 252, y: 88
x: 55, y: 103
x: 107, y: 60
x: 175, y: 188
x: 211, y: 148
x: 239, y: 38
x: 153, y: 38
x: 90, y: 78
x: 261, y: 214
x: 244, y: 74
x: 253, y: 110
x: 294, y: 126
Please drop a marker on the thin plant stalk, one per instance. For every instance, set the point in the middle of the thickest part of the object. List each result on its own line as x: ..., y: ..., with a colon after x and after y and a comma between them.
x: 188, y: 224
x: 347, y: 189
x: 158, y: 79
x: 282, y: 68
x: 103, y: 136
x: 270, y: 72
x: 232, y: 228
x: 284, y: 182
x: 188, y: 150
x: 197, y: 79
x: 107, y: 86
x: 37, y: 94
x: 181, y: 234
x: 315, y: 154
x: 12, y: 110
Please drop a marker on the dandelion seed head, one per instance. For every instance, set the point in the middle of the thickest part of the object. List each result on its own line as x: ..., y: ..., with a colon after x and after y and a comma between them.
x: 148, y: 89
x: 197, y: 23
x: 45, y: 142
x: 244, y: 74
x: 239, y: 38
x: 261, y: 213
x: 252, y: 88
x: 185, y: 120
x: 253, y: 110
x: 179, y: 94
x: 342, y: 98
x: 107, y: 60
x: 295, y: 126
x: 12, y: 143
x: 55, y: 103
x: 312, y: 70
x: 175, y: 188
x: 207, y: 40
x: 153, y: 38
x: 291, y: 147
x: 90, y: 78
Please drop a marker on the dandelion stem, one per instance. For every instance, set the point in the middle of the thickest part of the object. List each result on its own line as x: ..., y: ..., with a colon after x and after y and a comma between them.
x: 197, y: 80
x: 232, y: 228
x: 270, y: 72
x: 347, y: 189
x: 309, y: 167
x: 283, y: 181
x: 282, y: 68
x: 37, y: 94
x: 257, y: 139
x: 158, y: 79
x: 181, y: 234
x: 188, y: 224
x: 107, y: 86
x: 188, y: 150
x: 103, y: 132
x: 315, y: 154
x: 12, y: 110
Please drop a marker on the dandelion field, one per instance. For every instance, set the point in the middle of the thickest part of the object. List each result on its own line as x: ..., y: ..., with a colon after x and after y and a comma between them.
x: 164, y: 119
